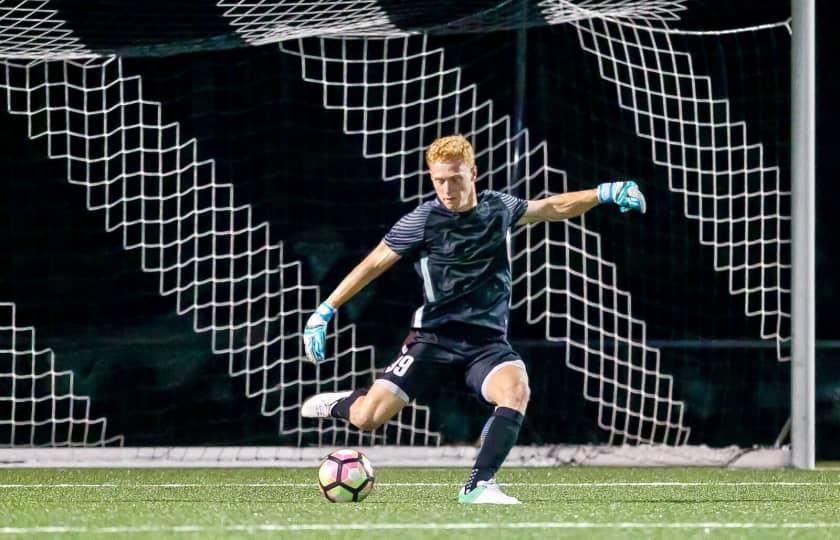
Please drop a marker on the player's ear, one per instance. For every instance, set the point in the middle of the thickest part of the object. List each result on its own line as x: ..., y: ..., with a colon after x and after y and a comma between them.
x: 474, y: 171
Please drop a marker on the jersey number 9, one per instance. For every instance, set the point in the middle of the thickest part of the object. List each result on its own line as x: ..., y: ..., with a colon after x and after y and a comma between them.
x: 400, y: 365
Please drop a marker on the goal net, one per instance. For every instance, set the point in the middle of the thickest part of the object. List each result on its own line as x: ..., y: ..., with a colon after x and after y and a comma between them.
x: 228, y: 169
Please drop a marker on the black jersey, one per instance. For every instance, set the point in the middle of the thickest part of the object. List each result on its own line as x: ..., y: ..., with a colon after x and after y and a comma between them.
x: 461, y: 258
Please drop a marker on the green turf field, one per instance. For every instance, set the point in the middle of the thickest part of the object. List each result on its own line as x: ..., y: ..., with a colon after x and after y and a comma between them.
x: 420, y: 503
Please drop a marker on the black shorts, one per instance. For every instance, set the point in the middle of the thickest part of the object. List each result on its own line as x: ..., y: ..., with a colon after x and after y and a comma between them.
x: 461, y: 354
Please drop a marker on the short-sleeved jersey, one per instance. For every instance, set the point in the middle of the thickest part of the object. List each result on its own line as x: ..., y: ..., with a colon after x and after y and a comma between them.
x: 461, y: 258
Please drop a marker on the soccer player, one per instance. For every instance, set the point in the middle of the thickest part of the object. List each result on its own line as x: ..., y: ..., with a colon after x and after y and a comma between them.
x: 458, y: 245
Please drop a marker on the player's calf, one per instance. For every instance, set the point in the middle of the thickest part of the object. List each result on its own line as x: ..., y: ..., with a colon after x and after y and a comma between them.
x: 364, y: 419
x: 378, y: 406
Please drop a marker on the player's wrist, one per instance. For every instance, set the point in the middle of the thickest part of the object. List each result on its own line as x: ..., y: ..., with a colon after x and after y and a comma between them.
x: 326, y: 311
x: 605, y: 192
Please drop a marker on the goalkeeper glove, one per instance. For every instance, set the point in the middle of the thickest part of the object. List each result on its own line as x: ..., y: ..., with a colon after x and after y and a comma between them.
x: 625, y: 194
x: 315, y: 333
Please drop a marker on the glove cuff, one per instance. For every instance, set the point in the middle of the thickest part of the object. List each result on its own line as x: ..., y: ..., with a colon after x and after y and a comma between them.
x: 605, y: 192
x: 326, y: 311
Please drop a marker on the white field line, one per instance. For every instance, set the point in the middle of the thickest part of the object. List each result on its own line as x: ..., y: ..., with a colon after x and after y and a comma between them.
x: 272, y: 527
x: 423, y: 484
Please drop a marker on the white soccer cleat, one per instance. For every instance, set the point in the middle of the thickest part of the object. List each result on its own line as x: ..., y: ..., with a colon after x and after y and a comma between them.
x: 486, y: 492
x: 321, y: 405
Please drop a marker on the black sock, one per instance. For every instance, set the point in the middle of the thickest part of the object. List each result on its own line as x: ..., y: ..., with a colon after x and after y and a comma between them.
x: 499, y: 436
x: 342, y: 408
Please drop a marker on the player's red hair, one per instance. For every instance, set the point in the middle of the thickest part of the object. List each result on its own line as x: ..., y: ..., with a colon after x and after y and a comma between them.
x: 451, y: 148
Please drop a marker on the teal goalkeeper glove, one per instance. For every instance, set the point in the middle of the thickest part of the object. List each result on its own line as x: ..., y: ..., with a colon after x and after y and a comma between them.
x: 315, y: 333
x: 625, y: 194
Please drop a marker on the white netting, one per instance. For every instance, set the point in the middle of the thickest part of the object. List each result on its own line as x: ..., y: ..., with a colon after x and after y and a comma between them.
x: 566, y: 11
x: 38, y: 404
x: 726, y: 183
x: 29, y: 29
x: 261, y: 22
x: 268, y: 21
x: 223, y: 269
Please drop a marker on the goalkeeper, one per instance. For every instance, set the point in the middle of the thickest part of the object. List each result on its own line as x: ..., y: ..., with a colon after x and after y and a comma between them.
x: 458, y: 245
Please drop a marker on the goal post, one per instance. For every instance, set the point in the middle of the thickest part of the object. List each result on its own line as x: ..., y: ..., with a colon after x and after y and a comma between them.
x: 803, y: 182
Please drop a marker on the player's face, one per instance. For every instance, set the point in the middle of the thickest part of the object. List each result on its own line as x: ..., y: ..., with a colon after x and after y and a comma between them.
x: 454, y: 183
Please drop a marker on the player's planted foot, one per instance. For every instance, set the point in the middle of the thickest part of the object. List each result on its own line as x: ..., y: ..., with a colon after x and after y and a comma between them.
x: 321, y: 405
x: 486, y: 492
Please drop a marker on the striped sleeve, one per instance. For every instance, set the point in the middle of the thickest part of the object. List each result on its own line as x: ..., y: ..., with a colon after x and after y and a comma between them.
x: 407, y: 234
x: 515, y: 206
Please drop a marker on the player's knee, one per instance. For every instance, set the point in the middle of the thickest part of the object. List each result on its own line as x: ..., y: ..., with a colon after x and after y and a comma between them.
x: 522, y: 393
x: 516, y: 396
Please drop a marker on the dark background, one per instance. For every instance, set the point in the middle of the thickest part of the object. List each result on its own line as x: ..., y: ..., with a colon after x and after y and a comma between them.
x: 158, y: 382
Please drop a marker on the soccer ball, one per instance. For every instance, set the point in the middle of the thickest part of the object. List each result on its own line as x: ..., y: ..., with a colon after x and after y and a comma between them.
x: 345, y: 476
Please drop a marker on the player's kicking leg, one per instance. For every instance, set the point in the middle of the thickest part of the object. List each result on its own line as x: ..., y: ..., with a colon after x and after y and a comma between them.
x: 506, y: 386
x: 365, y: 409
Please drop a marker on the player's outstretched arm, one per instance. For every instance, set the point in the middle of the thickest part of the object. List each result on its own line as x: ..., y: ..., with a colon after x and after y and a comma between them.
x: 315, y: 334
x: 626, y: 195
